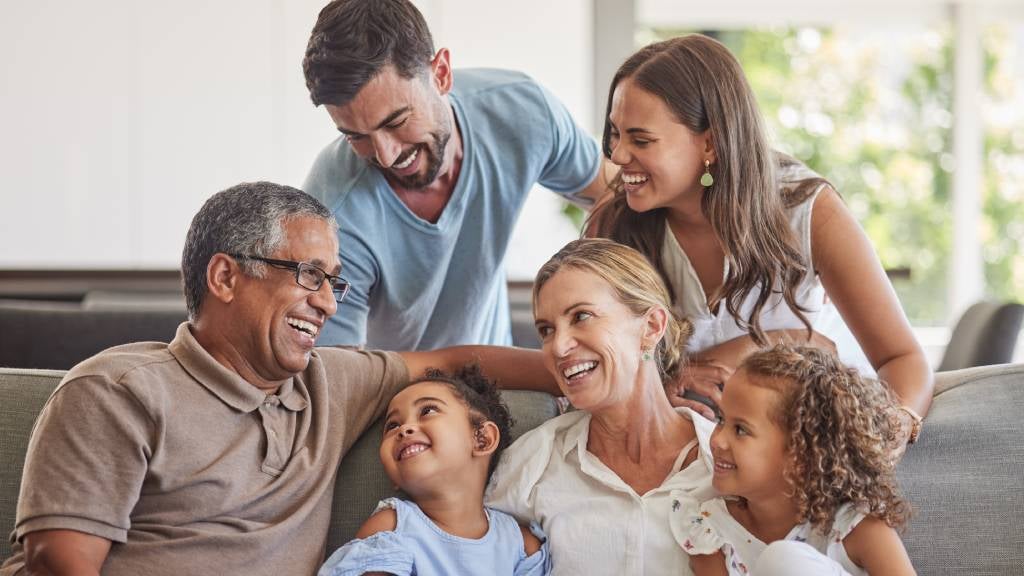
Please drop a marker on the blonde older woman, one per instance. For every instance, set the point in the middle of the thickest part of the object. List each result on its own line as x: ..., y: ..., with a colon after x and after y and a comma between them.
x: 598, y: 479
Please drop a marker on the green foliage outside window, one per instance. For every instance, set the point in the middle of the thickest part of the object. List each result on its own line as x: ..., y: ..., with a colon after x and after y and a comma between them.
x: 1003, y: 225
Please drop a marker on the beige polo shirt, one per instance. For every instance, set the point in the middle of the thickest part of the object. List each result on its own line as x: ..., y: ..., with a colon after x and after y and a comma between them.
x: 189, y: 469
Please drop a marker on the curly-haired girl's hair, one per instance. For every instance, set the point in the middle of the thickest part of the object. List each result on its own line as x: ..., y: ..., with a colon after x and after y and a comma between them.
x: 841, y: 431
x: 480, y: 394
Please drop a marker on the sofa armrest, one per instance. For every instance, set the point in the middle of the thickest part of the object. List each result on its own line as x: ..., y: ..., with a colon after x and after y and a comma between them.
x: 22, y: 395
x: 964, y: 478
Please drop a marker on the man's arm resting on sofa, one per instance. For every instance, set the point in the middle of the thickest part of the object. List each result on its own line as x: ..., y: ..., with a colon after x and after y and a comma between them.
x: 64, y: 552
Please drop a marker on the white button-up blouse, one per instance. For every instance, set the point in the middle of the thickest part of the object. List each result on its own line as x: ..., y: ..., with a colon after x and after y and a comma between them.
x: 596, y: 523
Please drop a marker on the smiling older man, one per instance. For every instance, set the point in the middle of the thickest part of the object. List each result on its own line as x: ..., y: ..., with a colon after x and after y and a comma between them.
x: 217, y: 453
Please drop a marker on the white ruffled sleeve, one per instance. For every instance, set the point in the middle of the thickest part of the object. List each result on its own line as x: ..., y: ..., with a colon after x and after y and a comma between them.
x: 693, y: 524
x: 847, y: 518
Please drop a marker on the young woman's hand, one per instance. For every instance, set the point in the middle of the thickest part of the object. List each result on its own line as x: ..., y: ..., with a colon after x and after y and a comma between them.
x: 702, y: 377
x: 705, y: 373
x: 799, y: 337
x: 902, y: 440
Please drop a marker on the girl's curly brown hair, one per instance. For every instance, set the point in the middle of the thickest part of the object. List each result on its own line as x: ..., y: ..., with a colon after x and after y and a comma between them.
x: 841, y: 431
x: 481, y: 395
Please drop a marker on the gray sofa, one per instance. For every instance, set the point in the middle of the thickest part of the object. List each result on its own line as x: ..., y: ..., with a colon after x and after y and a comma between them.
x: 965, y: 477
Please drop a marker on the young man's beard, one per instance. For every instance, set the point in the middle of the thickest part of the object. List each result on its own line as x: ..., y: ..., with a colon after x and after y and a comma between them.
x: 434, y: 157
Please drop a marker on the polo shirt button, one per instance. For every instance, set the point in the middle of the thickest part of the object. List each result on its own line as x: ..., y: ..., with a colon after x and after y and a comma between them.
x: 272, y: 434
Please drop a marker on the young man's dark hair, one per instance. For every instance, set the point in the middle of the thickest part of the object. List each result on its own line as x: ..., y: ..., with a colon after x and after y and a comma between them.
x: 354, y: 39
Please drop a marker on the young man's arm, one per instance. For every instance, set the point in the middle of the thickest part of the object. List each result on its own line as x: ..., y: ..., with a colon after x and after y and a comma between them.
x: 599, y: 186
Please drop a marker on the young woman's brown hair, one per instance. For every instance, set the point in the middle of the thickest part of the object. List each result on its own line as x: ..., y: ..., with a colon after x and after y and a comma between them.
x: 704, y: 87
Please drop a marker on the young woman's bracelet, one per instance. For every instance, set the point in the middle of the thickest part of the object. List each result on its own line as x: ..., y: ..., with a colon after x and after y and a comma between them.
x: 915, y: 428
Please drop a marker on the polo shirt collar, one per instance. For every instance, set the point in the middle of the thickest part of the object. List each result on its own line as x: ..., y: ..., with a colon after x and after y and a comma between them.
x: 291, y: 396
x: 226, y: 385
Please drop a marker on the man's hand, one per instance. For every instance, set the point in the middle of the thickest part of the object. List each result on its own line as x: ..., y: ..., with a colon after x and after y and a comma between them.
x: 702, y: 377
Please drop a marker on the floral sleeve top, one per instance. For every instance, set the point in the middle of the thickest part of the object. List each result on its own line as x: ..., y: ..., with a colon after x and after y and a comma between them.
x: 705, y: 527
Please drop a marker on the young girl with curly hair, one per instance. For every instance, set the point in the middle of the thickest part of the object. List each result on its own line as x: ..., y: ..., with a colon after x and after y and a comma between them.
x: 443, y: 435
x: 803, y: 451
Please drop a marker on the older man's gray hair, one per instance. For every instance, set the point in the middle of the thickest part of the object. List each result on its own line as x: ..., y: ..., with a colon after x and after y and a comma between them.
x: 245, y: 219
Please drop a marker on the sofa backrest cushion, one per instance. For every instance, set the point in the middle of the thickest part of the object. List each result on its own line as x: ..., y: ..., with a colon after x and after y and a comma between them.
x: 59, y: 335
x: 964, y: 477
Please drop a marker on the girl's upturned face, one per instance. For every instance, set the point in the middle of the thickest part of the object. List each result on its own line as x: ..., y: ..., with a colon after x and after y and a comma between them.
x: 748, y: 446
x: 591, y: 341
x: 661, y: 159
x: 428, y: 438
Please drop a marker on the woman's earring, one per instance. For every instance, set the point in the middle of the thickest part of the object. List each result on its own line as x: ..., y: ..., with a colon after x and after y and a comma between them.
x: 707, y: 179
x: 645, y: 354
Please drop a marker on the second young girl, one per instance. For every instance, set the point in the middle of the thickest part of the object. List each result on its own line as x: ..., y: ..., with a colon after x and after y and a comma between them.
x: 804, y: 452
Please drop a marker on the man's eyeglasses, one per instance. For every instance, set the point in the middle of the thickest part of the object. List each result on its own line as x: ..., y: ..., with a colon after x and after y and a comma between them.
x: 307, y: 275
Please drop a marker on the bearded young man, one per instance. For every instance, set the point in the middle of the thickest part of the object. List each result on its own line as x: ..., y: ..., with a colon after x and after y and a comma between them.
x: 429, y: 176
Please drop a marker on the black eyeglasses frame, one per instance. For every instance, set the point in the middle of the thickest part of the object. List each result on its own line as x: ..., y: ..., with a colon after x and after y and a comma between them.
x: 339, y: 286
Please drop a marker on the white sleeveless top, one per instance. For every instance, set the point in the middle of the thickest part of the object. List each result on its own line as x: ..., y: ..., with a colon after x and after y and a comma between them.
x: 711, y: 329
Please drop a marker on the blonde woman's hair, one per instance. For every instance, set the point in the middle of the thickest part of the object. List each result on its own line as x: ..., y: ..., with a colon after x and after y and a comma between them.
x: 704, y: 87
x: 636, y: 284
x: 840, y: 429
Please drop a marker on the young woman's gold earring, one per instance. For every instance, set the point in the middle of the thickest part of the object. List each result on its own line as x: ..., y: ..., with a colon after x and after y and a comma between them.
x: 707, y: 179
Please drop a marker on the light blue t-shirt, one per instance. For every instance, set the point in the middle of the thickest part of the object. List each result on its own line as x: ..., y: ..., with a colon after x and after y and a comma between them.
x: 419, y: 547
x: 417, y: 285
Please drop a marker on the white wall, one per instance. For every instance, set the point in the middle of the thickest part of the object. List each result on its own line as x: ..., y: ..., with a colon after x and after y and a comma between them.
x: 121, y: 117
x: 551, y: 41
